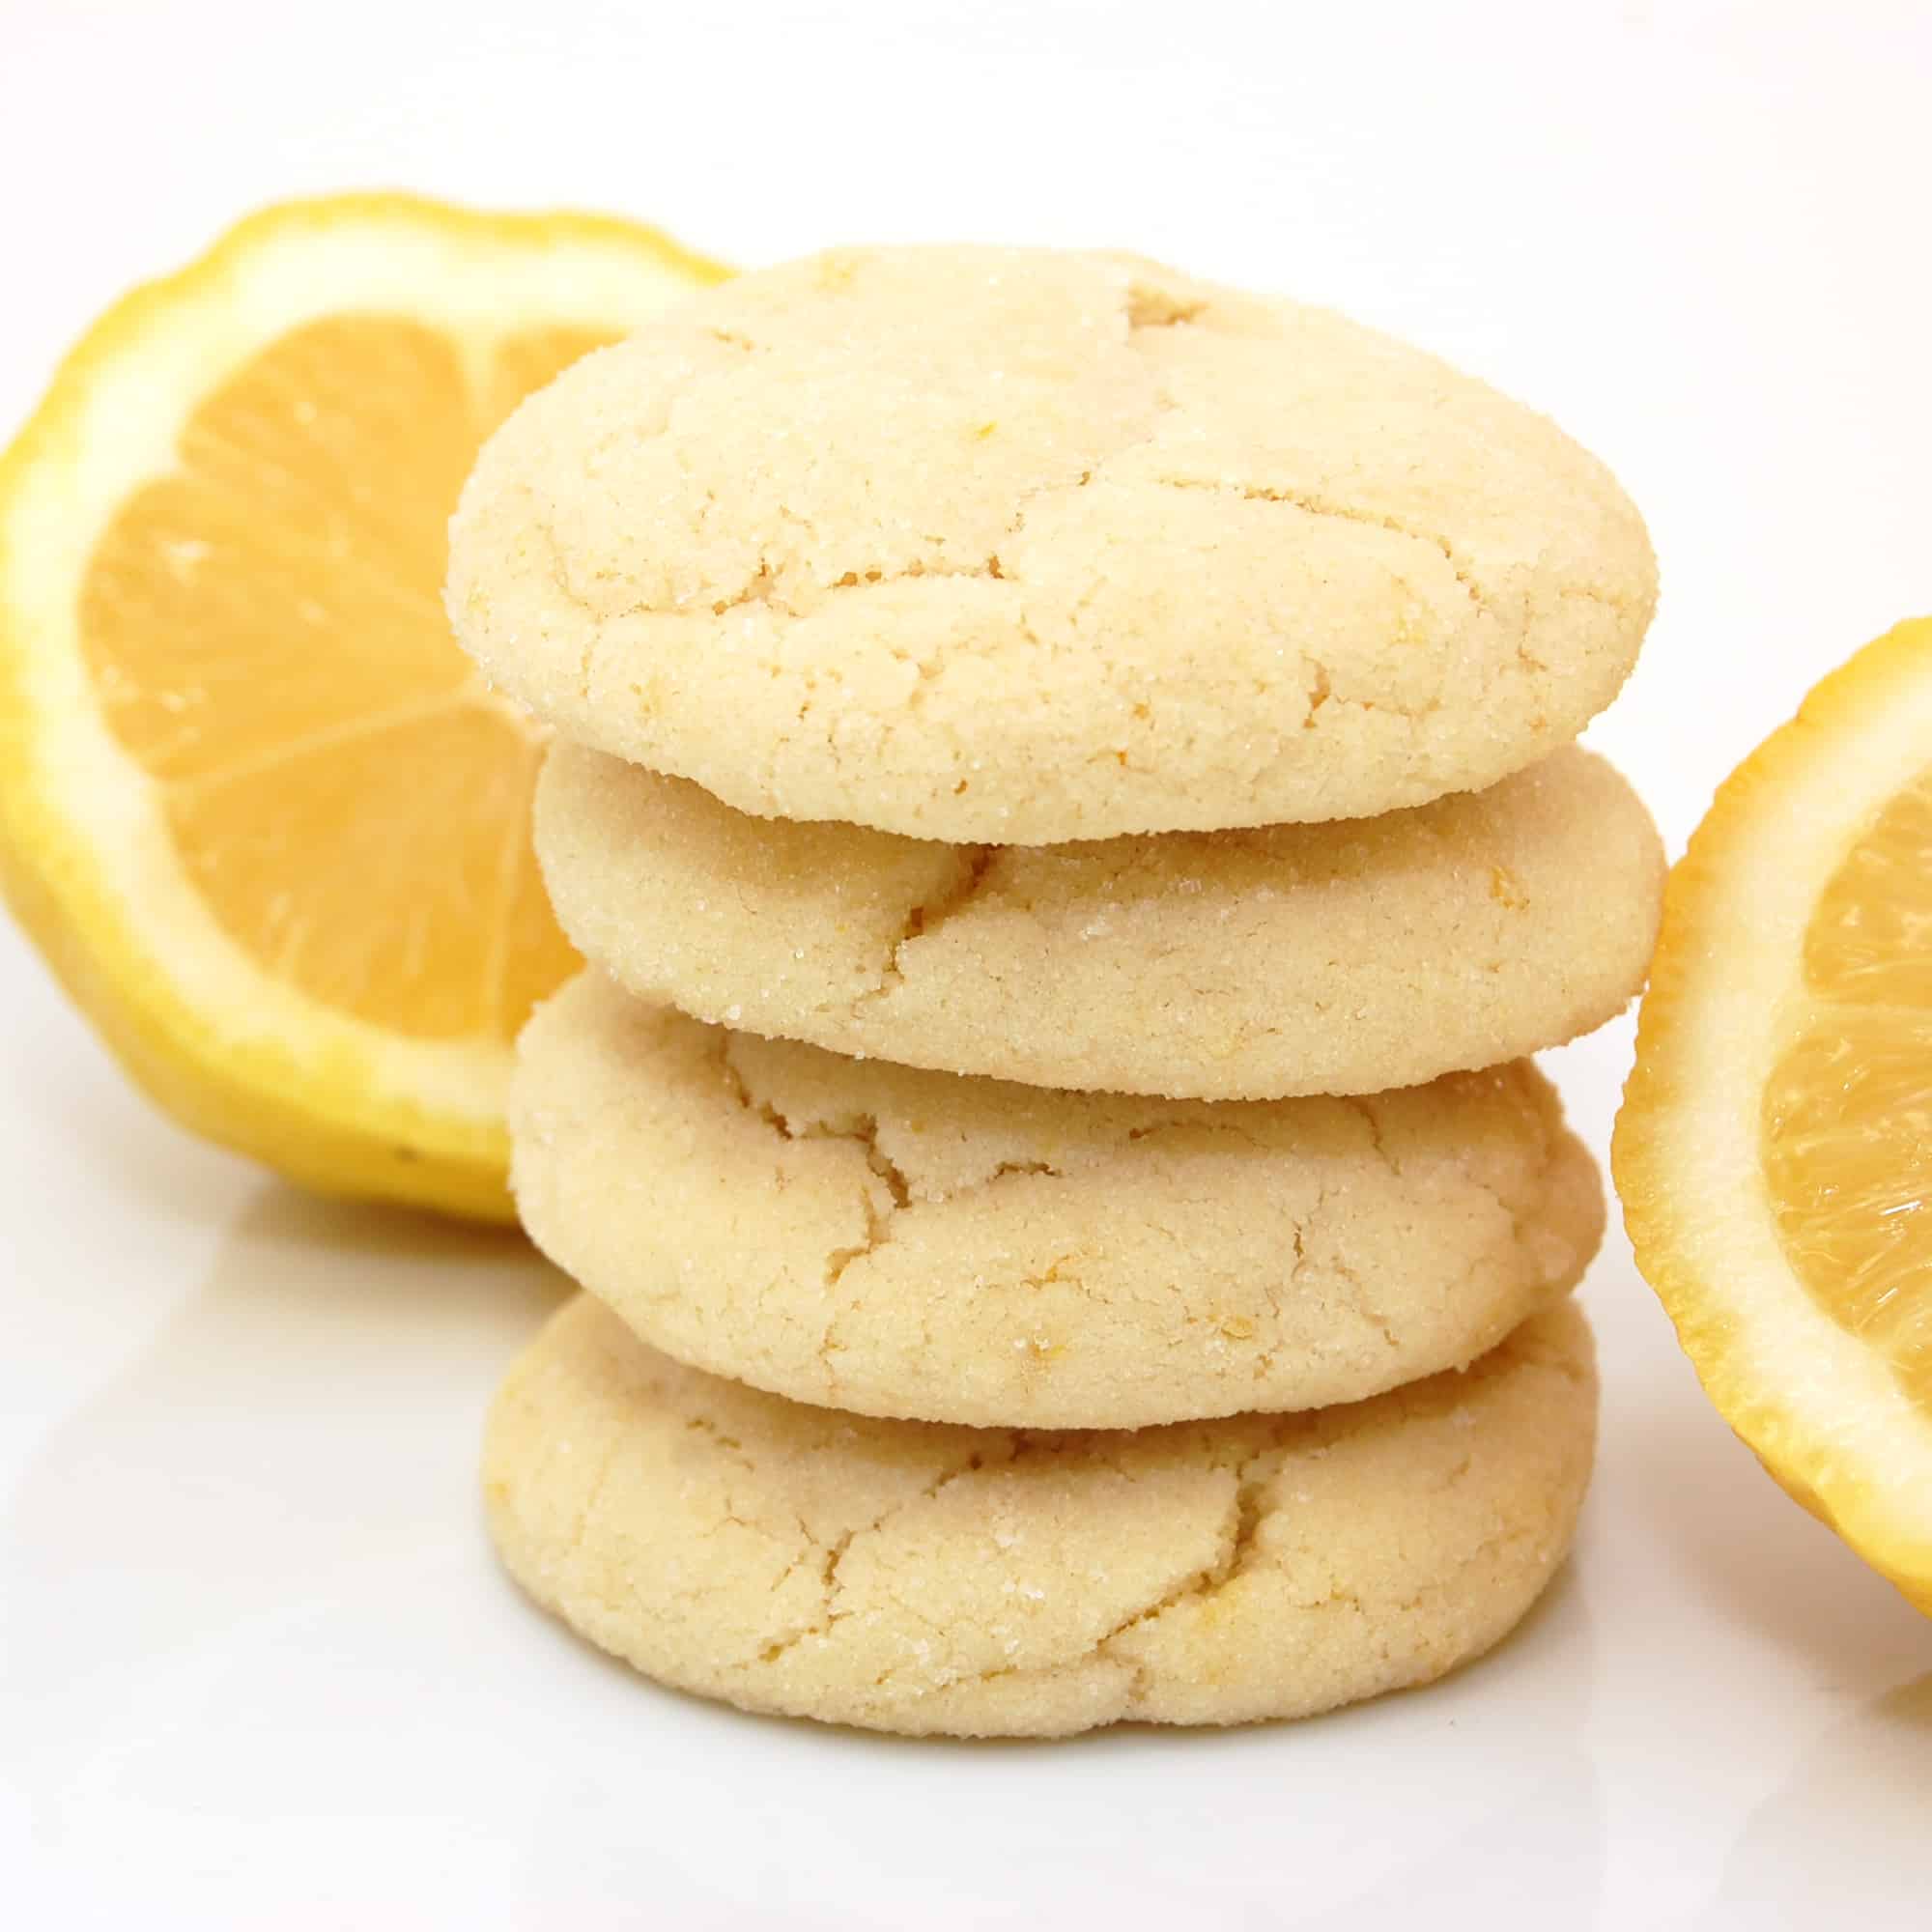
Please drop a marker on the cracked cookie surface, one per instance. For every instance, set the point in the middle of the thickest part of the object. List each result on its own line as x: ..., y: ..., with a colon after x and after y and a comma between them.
x: 1234, y: 965
x: 906, y: 1243
x: 916, y: 1577
x: 1015, y: 546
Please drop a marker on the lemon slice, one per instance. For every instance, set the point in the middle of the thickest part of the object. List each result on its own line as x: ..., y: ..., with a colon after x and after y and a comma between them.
x: 255, y: 808
x: 1775, y: 1149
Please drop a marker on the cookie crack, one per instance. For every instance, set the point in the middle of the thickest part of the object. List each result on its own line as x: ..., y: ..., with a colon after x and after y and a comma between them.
x: 874, y: 579
x: 736, y: 1085
x: 928, y: 914
x: 760, y: 587
x: 860, y: 1130
x: 924, y: 916
x: 1531, y: 1219
x: 1313, y: 506
x: 728, y: 1445
x: 1361, y: 1105
x: 1148, y: 307
x: 593, y: 1496
x: 1320, y: 690
x: 768, y: 587
x: 829, y: 1557
x: 1492, y: 1544
x: 1006, y: 1167
x: 833, y: 1553
x: 1364, y: 1302
x: 1248, y: 1509
x: 763, y: 586
x: 878, y: 1221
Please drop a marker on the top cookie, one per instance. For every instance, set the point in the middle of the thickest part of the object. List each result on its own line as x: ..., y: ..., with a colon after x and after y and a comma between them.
x: 998, y: 544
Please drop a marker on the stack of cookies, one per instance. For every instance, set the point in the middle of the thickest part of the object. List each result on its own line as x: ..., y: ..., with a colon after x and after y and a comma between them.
x: 1064, y: 778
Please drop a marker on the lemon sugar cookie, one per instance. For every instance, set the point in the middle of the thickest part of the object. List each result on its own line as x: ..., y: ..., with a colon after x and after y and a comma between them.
x: 907, y: 1243
x: 1062, y: 775
x: 1340, y: 958
x: 914, y: 1577
x: 992, y: 545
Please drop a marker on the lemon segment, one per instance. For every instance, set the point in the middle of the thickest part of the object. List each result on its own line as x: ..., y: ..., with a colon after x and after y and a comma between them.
x: 1774, y: 1153
x: 254, y: 806
x: 1847, y: 1107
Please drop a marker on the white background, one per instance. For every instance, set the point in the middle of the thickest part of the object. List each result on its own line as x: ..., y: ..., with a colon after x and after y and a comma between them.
x: 257, y: 1669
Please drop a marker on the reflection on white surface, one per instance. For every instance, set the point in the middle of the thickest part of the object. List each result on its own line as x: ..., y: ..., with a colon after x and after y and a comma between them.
x: 1863, y: 1790
x: 254, y: 1618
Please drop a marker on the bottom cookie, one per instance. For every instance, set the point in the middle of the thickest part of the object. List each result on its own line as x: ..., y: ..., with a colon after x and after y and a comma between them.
x: 929, y: 1578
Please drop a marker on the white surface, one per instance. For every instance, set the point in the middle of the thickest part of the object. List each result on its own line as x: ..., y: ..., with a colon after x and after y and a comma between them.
x: 256, y: 1667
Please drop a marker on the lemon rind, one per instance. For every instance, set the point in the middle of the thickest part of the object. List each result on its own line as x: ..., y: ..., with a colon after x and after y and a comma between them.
x: 1821, y: 1409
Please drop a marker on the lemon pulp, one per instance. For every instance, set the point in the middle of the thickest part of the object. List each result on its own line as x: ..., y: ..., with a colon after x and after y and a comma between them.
x: 1847, y: 1121
x: 263, y: 630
